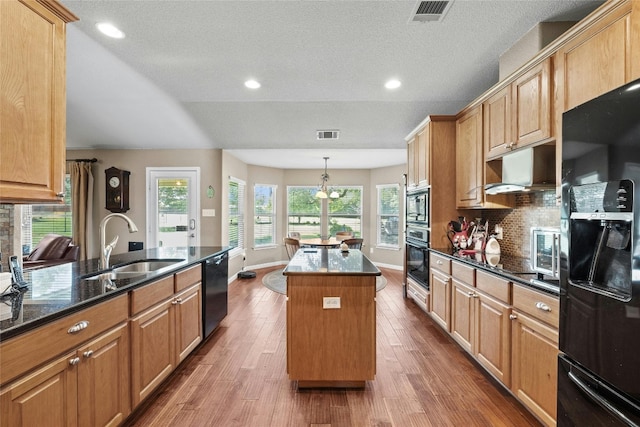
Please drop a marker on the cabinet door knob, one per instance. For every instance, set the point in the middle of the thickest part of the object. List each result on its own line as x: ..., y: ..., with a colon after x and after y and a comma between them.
x: 74, y: 361
x: 88, y: 353
x: 542, y: 306
x: 513, y: 317
x: 83, y: 324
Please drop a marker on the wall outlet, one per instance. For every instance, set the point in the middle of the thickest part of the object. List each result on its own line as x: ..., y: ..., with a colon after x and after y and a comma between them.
x: 498, y: 231
x: 370, y: 250
x: 330, y: 302
x: 208, y: 212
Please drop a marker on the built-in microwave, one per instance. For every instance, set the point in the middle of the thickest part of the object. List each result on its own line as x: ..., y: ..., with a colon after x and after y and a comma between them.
x: 418, y: 207
x: 545, y: 251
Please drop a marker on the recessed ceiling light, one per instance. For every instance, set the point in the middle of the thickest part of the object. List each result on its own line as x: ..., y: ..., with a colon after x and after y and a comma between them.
x: 393, y: 84
x: 252, y: 84
x: 110, y: 30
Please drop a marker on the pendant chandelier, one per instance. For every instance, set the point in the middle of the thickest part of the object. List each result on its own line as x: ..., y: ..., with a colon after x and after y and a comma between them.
x: 323, y: 193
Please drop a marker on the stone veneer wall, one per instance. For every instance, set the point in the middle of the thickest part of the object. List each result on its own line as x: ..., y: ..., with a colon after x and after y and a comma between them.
x: 532, y: 210
x: 6, y: 234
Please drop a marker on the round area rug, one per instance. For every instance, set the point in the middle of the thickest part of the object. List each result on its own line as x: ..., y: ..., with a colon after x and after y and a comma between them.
x: 277, y: 282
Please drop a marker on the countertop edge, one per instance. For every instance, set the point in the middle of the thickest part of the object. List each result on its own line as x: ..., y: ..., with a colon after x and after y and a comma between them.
x: 498, y: 272
x: 24, y: 328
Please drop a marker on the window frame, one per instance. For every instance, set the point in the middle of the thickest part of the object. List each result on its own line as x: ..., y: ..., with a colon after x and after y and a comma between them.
x: 380, y: 216
x: 312, y: 190
x: 240, y: 215
x: 272, y: 214
x: 357, y: 217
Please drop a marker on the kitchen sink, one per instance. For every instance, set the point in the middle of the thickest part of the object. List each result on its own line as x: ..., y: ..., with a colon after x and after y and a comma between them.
x: 145, y: 265
x: 114, y: 275
x: 134, y: 269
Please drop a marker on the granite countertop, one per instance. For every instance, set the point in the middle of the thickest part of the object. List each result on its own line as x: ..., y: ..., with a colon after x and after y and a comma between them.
x: 318, y: 261
x: 57, y: 291
x: 511, y: 267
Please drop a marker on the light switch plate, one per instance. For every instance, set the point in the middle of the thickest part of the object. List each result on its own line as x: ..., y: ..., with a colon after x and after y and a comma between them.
x: 208, y: 212
x: 330, y: 302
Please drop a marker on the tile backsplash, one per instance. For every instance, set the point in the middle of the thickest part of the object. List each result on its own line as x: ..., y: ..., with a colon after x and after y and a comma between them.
x: 536, y: 209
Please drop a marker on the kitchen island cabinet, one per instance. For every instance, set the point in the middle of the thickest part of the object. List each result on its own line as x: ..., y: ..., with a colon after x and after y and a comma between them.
x: 33, y: 113
x: 331, y: 318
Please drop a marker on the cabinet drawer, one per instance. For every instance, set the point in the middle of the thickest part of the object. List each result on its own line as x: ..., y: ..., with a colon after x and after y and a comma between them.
x: 463, y: 273
x: 29, y: 350
x: 440, y: 262
x: 493, y: 285
x: 419, y: 294
x: 542, y: 306
x: 146, y: 296
x: 188, y: 277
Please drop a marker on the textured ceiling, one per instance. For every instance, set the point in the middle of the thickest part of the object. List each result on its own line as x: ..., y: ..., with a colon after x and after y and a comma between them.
x: 176, y: 80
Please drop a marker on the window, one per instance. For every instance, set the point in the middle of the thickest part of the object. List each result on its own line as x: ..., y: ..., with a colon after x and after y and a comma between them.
x: 236, y: 213
x: 388, y: 218
x: 264, y: 215
x: 40, y: 220
x: 303, y: 211
x: 345, y: 212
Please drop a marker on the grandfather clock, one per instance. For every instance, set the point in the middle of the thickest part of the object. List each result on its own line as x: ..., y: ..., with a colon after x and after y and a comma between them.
x: 117, y: 189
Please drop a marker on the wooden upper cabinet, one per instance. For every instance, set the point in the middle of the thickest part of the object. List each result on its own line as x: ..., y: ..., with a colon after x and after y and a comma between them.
x: 519, y: 114
x: 531, y: 95
x: 412, y: 180
x: 469, y: 159
x: 596, y: 61
x: 497, y: 123
x: 33, y: 113
x: 423, y: 157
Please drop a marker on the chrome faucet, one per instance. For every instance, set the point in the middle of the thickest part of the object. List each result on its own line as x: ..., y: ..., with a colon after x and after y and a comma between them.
x: 105, y: 250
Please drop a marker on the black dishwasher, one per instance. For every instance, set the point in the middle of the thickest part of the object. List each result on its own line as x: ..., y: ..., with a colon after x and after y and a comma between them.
x: 215, y: 289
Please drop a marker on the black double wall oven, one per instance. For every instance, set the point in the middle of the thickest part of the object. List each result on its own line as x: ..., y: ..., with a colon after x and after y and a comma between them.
x: 417, y: 237
x: 599, y: 362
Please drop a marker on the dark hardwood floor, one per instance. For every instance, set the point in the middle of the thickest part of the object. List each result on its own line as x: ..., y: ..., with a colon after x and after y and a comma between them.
x: 238, y: 376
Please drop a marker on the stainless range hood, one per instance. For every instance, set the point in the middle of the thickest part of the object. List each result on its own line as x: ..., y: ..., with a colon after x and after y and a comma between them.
x: 528, y: 169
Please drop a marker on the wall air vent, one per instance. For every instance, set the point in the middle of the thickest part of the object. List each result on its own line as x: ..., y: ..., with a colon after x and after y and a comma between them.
x: 328, y: 134
x: 430, y: 11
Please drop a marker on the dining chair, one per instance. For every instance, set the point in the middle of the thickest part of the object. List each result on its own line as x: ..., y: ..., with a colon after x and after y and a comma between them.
x: 353, y: 243
x: 341, y: 235
x: 292, y: 246
x: 294, y: 235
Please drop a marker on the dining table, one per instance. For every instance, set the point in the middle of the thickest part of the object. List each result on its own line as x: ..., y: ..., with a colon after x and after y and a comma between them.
x: 318, y: 242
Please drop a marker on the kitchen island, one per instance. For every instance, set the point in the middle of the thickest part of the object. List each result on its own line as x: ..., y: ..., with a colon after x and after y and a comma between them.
x: 331, y: 318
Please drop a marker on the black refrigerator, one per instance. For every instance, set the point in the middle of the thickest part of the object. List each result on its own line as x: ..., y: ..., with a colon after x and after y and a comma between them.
x: 599, y: 361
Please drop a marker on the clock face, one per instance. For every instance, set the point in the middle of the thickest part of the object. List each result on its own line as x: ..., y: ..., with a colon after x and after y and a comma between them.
x: 114, y: 181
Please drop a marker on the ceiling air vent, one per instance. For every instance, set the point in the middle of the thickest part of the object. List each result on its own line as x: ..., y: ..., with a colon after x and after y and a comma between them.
x: 328, y: 134
x: 430, y: 11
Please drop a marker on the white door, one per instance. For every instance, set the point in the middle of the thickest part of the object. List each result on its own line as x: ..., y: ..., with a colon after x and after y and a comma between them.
x: 173, y: 205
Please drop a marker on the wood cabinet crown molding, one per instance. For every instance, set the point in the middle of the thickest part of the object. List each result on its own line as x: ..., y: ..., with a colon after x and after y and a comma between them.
x: 611, y: 6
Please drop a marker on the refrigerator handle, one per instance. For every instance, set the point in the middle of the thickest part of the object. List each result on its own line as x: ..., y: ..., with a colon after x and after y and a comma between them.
x: 600, y: 400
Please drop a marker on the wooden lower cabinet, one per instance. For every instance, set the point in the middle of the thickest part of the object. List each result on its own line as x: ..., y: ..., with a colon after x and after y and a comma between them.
x: 462, y: 314
x: 86, y: 387
x: 440, y: 288
x: 493, y: 337
x: 534, y: 366
x: 481, y: 325
x: 161, y: 337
